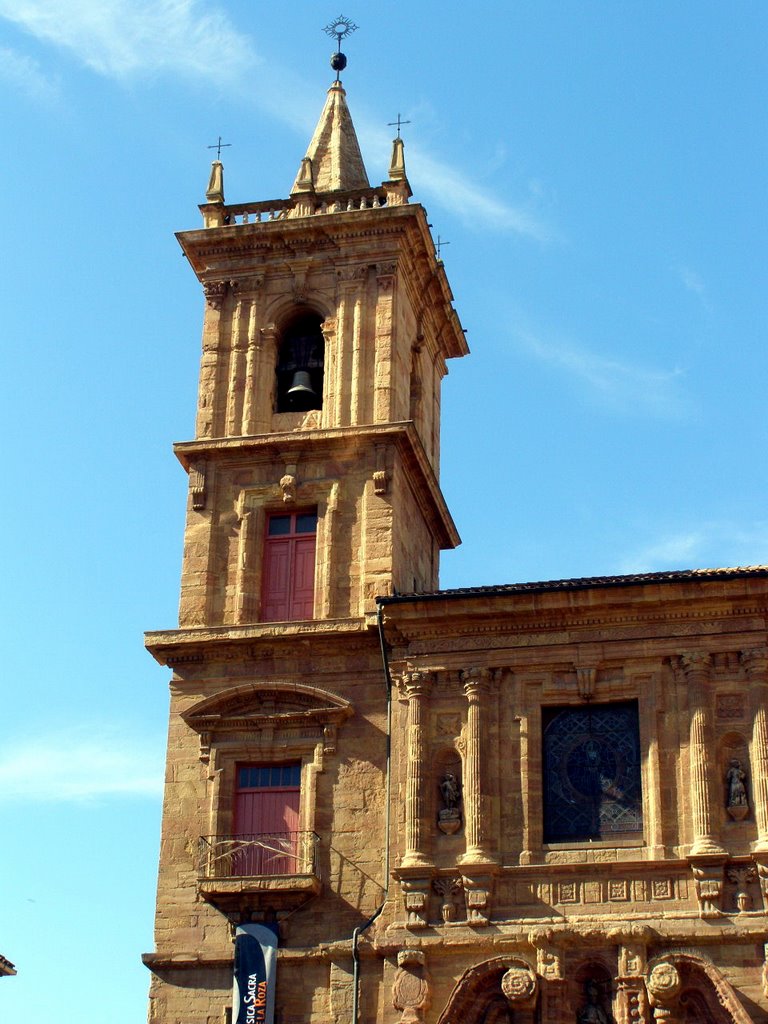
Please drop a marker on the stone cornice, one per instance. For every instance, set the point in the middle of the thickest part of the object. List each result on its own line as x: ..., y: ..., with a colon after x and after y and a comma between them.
x: 335, y: 442
x: 202, y: 643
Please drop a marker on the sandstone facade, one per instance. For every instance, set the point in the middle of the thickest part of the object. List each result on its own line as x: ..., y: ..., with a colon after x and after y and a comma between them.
x: 537, y: 802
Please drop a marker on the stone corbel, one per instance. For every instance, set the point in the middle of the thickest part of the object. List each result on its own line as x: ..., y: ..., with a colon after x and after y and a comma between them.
x: 412, y: 988
x: 708, y: 879
x: 478, y: 889
x: 197, y: 484
x: 214, y: 293
x: 380, y: 476
x: 416, y: 900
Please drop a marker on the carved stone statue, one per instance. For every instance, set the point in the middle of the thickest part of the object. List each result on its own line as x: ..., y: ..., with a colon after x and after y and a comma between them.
x: 449, y: 816
x: 737, y: 803
x: 592, y: 1012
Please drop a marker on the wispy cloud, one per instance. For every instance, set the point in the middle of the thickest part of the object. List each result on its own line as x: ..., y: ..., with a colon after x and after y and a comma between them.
x: 692, y: 280
x: 121, y: 38
x: 26, y: 76
x: 66, y: 767
x: 714, y: 544
x: 124, y: 39
x: 625, y: 387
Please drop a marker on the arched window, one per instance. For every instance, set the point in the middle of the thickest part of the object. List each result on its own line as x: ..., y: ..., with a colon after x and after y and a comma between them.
x: 300, y: 365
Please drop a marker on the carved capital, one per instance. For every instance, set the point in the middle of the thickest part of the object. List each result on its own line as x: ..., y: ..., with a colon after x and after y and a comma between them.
x: 696, y: 665
x: 475, y: 680
x: 708, y: 879
x: 416, y: 684
x: 755, y: 662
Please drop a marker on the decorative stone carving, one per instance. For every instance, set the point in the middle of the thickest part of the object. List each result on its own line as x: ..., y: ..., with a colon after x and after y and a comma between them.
x: 663, y: 983
x: 197, y: 485
x: 477, y: 893
x: 446, y: 888
x: 708, y: 879
x: 214, y: 293
x: 449, y: 815
x: 741, y: 876
x: 288, y: 487
x: 380, y: 476
x: 737, y: 802
x: 411, y: 989
x: 585, y: 680
x: 415, y: 905
x: 519, y: 986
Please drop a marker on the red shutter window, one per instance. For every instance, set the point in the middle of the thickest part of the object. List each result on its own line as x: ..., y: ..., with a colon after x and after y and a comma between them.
x: 267, y: 819
x: 288, y: 588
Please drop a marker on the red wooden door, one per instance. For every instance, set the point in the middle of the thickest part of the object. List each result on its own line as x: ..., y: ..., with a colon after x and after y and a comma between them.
x: 267, y: 820
x: 288, y: 589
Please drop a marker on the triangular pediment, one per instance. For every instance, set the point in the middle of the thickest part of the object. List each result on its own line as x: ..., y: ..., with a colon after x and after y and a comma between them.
x: 255, y: 703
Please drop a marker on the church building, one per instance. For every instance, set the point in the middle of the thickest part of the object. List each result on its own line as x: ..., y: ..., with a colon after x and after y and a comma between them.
x: 387, y: 803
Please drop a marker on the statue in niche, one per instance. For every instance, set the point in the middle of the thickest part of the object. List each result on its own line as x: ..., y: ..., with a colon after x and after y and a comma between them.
x: 592, y: 1012
x: 449, y: 815
x: 737, y: 803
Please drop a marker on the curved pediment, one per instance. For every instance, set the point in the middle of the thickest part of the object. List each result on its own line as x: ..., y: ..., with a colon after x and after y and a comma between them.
x: 270, y: 702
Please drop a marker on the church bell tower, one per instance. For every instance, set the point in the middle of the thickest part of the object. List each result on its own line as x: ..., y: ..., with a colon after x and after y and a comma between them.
x: 313, y: 491
x: 328, y: 323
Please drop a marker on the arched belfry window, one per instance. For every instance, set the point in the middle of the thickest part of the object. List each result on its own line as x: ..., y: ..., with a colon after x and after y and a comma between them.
x: 300, y: 360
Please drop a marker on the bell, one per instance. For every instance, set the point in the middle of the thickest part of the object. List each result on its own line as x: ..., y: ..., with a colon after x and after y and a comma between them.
x: 301, y: 394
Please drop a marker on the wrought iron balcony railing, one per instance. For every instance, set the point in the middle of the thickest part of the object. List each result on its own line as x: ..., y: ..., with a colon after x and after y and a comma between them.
x: 258, y: 855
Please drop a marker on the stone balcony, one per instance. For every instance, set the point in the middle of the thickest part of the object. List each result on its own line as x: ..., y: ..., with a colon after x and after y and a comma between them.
x: 276, y: 870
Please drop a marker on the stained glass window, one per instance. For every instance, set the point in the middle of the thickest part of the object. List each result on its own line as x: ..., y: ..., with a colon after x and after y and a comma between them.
x: 591, y: 769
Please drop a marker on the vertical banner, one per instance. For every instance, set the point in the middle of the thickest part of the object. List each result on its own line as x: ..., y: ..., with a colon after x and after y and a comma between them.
x: 253, y: 995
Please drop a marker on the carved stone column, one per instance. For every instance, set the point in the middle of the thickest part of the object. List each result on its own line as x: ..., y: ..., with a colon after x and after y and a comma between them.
x: 696, y: 668
x: 477, y: 811
x: 417, y: 687
x: 755, y: 664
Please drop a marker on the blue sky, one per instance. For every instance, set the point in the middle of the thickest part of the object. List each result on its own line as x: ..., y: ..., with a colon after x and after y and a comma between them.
x: 598, y: 169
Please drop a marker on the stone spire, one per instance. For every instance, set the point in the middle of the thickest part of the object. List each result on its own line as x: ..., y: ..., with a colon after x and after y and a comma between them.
x: 333, y: 161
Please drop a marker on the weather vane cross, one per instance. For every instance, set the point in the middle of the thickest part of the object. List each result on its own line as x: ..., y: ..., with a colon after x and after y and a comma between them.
x: 218, y: 146
x: 439, y: 246
x: 399, y: 122
x: 340, y: 27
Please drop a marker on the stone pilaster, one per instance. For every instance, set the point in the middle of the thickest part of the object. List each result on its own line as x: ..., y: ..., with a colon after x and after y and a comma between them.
x: 383, y: 399
x: 477, y: 810
x: 417, y: 686
x: 253, y: 348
